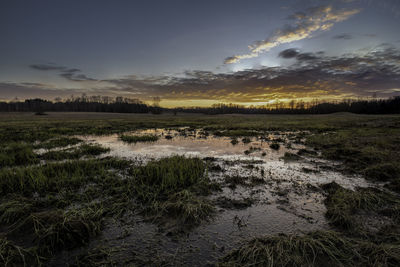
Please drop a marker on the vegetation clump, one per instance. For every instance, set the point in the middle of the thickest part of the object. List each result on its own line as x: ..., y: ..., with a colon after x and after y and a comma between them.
x: 138, y: 138
x: 342, y: 204
x: 59, y: 142
x: 234, y: 141
x: 368, y: 149
x: 274, y: 146
x: 173, y: 186
x: 83, y: 150
x: 236, y: 133
x: 291, y: 156
x: 320, y: 248
x: 246, y: 140
x: 18, y: 153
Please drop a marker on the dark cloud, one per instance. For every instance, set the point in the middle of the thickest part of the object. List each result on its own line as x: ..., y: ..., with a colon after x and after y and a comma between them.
x: 75, y: 75
x: 295, y: 53
x: 307, y: 56
x: 71, y: 74
x: 49, y: 66
x: 289, y: 53
x: 343, y: 36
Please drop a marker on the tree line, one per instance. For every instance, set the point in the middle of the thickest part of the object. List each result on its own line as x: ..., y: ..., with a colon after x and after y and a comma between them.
x: 128, y: 105
x: 373, y: 106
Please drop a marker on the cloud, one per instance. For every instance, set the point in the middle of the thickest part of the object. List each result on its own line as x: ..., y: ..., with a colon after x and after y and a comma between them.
x: 314, y: 76
x: 307, y: 56
x: 295, y: 53
x: 49, y: 66
x: 71, y: 74
x: 305, y: 24
x: 289, y: 53
x: 343, y: 36
x: 311, y: 76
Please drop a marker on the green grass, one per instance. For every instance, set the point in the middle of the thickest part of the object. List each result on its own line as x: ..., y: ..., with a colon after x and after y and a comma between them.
x: 369, y: 150
x: 59, y: 142
x: 342, y: 204
x: 187, y: 207
x: 237, y: 133
x: 173, y: 187
x: 17, y: 154
x: 320, y: 248
x: 14, y: 255
x: 138, y: 138
x: 62, y: 205
x: 76, y: 153
x: 53, y: 177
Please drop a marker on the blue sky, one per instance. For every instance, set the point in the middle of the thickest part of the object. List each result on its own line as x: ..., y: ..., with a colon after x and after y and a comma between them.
x: 148, y: 48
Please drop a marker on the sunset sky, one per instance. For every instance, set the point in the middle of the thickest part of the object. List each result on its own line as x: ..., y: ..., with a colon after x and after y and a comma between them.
x: 197, y: 53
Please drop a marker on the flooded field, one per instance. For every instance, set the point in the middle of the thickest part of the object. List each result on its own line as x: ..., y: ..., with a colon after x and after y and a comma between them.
x: 145, y: 191
x: 264, y: 192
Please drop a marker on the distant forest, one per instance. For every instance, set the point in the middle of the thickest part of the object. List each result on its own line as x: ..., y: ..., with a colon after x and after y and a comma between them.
x: 127, y: 105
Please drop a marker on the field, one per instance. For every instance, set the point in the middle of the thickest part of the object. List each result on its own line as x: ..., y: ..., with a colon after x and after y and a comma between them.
x: 102, y: 189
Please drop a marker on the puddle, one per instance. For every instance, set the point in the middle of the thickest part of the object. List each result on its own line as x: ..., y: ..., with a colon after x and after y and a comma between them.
x: 289, y: 200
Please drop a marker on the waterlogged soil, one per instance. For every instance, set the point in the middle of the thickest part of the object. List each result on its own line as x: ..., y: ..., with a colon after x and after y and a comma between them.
x: 269, y: 193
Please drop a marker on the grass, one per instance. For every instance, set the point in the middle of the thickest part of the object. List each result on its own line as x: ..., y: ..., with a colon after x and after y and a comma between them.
x: 237, y: 133
x: 53, y: 177
x: 188, y: 208
x: 369, y: 150
x: 50, y: 208
x: 350, y: 246
x: 320, y: 248
x: 76, y: 153
x: 43, y: 208
x: 291, y: 156
x: 173, y: 187
x: 18, y: 153
x: 14, y: 255
x: 99, y: 256
x: 15, y: 209
x: 138, y: 138
x: 59, y: 142
x: 342, y: 204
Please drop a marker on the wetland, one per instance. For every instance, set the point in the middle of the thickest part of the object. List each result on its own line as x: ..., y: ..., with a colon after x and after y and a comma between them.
x: 85, y: 189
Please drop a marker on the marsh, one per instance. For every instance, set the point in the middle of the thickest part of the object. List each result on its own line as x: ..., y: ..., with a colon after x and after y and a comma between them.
x: 182, y: 190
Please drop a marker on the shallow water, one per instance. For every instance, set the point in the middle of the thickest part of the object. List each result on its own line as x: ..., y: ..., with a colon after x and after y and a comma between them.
x: 289, y: 200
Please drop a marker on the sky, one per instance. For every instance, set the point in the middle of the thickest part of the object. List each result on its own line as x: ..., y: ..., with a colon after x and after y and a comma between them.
x: 197, y: 53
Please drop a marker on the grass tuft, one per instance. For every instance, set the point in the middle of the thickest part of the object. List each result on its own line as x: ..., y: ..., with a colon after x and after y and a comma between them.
x: 138, y: 138
x: 320, y: 248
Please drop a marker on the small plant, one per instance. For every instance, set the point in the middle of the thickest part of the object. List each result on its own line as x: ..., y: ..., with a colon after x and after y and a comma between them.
x: 343, y: 203
x: 17, y: 154
x: 274, y: 146
x: 83, y: 150
x: 234, y: 141
x: 138, y: 138
x: 246, y: 140
x: 59, y: 142
x: 291, y: 156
